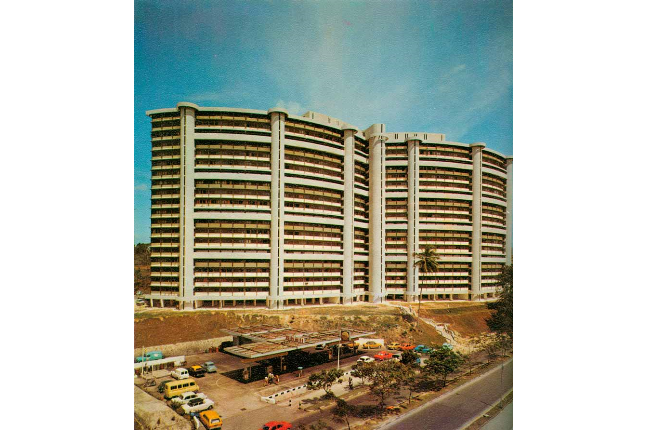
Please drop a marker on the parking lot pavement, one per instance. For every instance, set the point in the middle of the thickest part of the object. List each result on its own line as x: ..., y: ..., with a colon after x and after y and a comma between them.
x: 234, y: 400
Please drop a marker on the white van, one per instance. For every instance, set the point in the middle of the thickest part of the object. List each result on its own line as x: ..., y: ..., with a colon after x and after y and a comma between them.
x: 180, y: 373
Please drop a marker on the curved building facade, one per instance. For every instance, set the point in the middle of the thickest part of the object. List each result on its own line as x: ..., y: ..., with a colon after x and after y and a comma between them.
x: 266, y: 208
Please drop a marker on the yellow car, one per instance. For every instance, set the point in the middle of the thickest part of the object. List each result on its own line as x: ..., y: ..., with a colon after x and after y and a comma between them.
x: 394, y: 345
x: 211, y: 420
x: 372, y: 345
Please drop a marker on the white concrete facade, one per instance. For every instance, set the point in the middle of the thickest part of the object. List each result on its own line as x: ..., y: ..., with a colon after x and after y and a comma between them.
x: 271, y: 209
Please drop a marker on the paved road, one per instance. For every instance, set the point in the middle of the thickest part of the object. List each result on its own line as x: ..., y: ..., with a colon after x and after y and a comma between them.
x: 452, y: 411
x: 503, y: 421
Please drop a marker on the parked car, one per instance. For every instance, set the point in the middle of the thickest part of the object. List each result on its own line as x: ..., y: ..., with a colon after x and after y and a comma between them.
x: 321, y: 346
x: 364, y: 359
x: 180, y: 373
x: 196, y: 371
x: 141, y: 302
x: 276, y: 425
x: 149, y: 356
x: 397, y: 357
x: 447, y: 346
x: 209, y: 367
x: 211, y: 420
x: 162, y: 385
x: 423, y: 349
x: 197, y: 405
x: 185, y: 398
x: 370, y: 344
x: 383, y: 355
x: 352, y: 344
x: 407, y: 347
x: 394, y: 345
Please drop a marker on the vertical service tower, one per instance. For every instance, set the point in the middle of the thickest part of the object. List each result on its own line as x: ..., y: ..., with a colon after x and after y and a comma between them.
x: 475, y: 285
x: 377, y: 138
x: 187, y: 199
x: 412, y: 290
x: 276, y: 278
x: 348, y: 213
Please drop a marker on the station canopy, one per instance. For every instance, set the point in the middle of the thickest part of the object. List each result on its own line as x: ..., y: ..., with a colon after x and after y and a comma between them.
x: 273, y: 341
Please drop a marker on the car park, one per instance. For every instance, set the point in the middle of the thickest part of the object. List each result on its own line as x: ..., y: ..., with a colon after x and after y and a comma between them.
x: 370, y: 344
x: 211, y: 420
x: 394, y: 345
x: 180, y: 373
x: 383, y: 355
x: 185, y: 398
x: 209, y: 367
x: 197, y: 405
x: 196, y: 371
x: 407, y: 347
x: 276, y: 425
x: 364, y: 359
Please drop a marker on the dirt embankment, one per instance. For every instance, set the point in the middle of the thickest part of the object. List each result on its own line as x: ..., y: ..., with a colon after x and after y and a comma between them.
x: 390, y: 323
x: 467, y: 319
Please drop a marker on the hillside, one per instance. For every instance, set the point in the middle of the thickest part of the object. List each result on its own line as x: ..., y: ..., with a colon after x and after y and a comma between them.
x: 161, y: 327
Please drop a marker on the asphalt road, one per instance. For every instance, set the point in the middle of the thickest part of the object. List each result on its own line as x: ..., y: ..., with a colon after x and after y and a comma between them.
x: 455, y: 409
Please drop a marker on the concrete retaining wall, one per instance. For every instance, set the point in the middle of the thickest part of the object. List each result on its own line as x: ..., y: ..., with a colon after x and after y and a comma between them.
x: 153, y: 414
x: 186, y: 348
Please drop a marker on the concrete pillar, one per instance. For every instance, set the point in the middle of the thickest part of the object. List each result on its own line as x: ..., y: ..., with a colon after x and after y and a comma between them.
x: 161, y: 303
x: 348, y: 214
x: 276, y: 274
x: 377, y: 215
x: 509, y: 210
x: 187, y: 201
x: 413, y: 219
x: 475, y: 286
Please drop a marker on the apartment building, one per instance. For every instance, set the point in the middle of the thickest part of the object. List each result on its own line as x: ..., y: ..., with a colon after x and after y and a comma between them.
x: 271, y: 209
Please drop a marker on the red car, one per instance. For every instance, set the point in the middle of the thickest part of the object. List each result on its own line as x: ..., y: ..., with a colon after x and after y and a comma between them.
x: 276, y: 425
x: 383, y: 355
x: 407, y: 347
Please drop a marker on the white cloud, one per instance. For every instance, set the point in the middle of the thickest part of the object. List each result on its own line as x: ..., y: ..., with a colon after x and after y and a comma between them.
x: 294, y: 108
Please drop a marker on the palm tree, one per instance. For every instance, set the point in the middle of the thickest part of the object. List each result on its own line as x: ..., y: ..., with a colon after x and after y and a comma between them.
x: 426, y: 261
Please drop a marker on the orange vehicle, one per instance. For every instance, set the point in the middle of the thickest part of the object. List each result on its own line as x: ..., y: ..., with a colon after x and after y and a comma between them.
x: 211, y: 420
x: 407, y: 347
x: 383, y: 355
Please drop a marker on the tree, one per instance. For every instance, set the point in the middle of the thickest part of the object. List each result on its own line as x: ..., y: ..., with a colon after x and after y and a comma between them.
x: 384, y: 379
x: 501, y: 321
x: 426, y: 261
x: 409, y: 378
x: 442, y: 362
x: 409, y: 357
x: 324, y: 380
x: 343, y: 411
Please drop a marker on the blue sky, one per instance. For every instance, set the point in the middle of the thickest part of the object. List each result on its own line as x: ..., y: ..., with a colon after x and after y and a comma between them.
x: 432, y: 66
